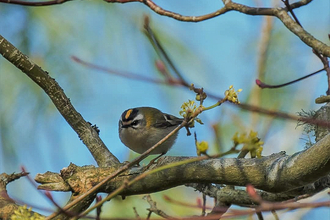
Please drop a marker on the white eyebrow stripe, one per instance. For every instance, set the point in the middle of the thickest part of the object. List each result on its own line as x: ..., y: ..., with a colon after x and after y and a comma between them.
x: 139, y: 117
x: 168, y: 118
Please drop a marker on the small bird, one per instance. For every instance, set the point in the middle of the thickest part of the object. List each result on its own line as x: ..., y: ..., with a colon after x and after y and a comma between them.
x: 141, y: 128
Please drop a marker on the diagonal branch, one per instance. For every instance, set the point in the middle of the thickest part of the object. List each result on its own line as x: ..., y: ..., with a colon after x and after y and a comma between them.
x: 85, y: 131
x: 306, y: 37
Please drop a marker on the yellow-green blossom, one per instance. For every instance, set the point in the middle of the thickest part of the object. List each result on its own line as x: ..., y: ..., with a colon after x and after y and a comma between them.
x: 259, y: 151
x: 250, y: 142
x: 24, y: 213
x: 232, y: 95
x: 202, y: 147
x: 188, y: 110
x: 239, y: 139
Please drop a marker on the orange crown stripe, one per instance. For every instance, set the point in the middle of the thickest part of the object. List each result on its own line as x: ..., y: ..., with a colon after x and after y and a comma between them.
x: 128, y: 113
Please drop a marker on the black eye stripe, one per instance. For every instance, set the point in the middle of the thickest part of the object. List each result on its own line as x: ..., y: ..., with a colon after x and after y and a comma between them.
x: 135, y: 122
x: 125, y: 126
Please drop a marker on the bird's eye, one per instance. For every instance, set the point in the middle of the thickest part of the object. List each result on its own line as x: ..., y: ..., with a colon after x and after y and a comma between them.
x: 134, y: 123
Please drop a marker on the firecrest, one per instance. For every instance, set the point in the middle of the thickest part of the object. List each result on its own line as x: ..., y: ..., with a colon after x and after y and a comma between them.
x: 141, y: 128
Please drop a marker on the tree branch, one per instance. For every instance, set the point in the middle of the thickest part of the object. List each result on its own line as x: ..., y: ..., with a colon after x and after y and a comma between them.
x: 84, y: 129
x: 40, y: 3
x: 300, y: 32
x: 275, y: 173
x: 8, y: 205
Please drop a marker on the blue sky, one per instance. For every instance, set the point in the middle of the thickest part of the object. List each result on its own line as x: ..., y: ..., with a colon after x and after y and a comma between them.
x: 213, y: 54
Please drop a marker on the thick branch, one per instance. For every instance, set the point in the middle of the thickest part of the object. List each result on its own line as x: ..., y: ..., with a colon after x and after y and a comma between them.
x: 275, y: 173
x: 8, y: 207
x: 84, y: 130
x: 229, y: 195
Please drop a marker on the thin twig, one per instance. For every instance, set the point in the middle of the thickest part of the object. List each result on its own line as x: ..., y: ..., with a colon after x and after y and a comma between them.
x: 41, y: 3
x: 153, y: 38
